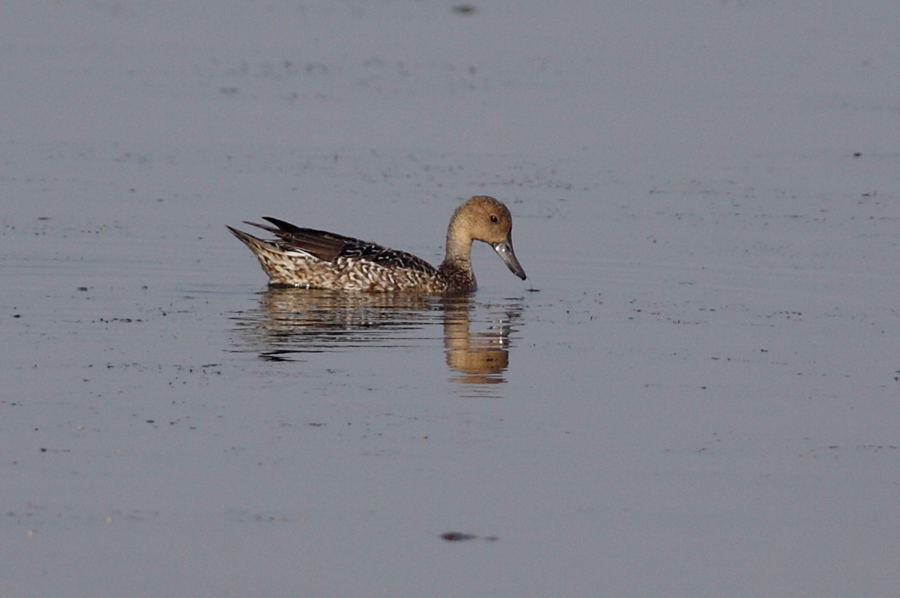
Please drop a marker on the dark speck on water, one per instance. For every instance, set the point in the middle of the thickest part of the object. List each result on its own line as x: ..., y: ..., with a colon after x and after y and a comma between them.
x: 464, y: 9
x: 459, y: 537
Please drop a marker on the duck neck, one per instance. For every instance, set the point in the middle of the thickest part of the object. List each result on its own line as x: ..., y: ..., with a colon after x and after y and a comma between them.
x: 457, y: 264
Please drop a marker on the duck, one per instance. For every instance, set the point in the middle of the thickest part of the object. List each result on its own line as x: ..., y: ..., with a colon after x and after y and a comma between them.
x: 315, y: 259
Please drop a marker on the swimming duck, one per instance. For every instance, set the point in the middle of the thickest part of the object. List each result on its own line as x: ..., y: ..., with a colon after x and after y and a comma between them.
x: 304, y: 257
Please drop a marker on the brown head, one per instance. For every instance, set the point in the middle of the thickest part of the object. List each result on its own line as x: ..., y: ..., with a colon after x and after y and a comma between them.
x: 482, y: 218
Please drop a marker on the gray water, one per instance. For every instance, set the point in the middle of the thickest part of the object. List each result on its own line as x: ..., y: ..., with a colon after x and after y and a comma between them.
x: 695, y: 393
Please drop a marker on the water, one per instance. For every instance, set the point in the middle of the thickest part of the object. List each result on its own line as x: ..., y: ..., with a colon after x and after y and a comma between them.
x: 693, y: 394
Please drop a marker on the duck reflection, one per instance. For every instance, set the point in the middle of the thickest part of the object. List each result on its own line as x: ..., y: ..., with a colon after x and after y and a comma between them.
x: 480, y: 357
x: 290, y: 322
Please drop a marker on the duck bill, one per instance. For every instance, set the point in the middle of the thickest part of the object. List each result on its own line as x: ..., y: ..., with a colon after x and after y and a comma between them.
x: 505, y: 250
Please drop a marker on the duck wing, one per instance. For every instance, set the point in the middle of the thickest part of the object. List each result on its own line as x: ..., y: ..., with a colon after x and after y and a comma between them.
x: 328, y: 246
x: 320, y: 244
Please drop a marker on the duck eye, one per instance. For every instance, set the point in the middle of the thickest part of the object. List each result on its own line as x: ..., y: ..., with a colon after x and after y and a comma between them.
x: 493, y: 218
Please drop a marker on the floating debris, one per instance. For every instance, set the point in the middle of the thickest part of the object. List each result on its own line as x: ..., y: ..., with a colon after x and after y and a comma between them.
x: 464, y: 9
x: 460, y: 537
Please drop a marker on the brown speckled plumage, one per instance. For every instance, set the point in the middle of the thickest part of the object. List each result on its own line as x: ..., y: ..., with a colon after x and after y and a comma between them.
x: 305, y: 257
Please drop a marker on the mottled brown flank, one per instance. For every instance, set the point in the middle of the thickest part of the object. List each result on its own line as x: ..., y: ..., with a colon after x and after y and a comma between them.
x: 318, y: 259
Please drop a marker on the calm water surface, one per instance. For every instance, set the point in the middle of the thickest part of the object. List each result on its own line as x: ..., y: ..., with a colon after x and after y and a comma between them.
x: 693, y: 394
